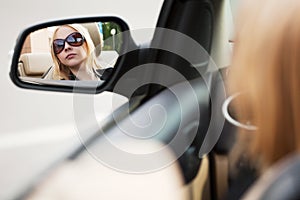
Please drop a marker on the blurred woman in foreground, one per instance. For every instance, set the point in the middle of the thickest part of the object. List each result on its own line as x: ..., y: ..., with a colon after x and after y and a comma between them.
x: 266, y: 70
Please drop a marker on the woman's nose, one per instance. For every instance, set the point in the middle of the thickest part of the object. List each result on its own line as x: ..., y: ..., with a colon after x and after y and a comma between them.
x: 67, y: 47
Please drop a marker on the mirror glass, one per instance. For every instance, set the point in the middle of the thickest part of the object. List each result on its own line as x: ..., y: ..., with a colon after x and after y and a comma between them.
x: 60, y: 55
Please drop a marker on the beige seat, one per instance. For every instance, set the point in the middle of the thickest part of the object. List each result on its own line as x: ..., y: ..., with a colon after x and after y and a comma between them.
x: 94, y: 32
x: 34, y: 64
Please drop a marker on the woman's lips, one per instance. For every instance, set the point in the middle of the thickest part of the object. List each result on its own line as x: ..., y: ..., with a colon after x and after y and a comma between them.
x: 70, y: 56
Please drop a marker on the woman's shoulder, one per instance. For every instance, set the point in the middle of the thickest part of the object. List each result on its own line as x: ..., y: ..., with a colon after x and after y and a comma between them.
x: 245, y: 176
x: 104, y: 73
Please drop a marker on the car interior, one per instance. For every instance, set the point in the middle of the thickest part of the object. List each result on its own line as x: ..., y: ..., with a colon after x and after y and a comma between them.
x: 202, y: 148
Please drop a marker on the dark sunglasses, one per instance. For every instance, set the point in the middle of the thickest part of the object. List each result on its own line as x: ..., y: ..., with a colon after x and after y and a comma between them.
x: 74, y: 39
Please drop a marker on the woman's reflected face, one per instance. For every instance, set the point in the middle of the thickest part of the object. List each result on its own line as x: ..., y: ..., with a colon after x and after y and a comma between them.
x: 71, y: 56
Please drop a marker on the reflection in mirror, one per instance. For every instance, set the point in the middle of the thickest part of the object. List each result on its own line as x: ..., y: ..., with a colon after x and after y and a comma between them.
x: 57, y: 54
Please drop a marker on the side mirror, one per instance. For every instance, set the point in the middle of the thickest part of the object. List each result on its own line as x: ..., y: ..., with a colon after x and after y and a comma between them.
x: 64, y: 54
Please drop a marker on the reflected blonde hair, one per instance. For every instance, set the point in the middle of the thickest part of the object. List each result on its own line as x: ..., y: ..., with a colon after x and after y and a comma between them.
x: 266, y: 67
x: 61, y: 71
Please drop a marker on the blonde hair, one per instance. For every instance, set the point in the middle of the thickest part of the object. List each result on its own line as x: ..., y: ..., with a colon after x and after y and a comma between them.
x: 61, y: 71
x: 266, y: 67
